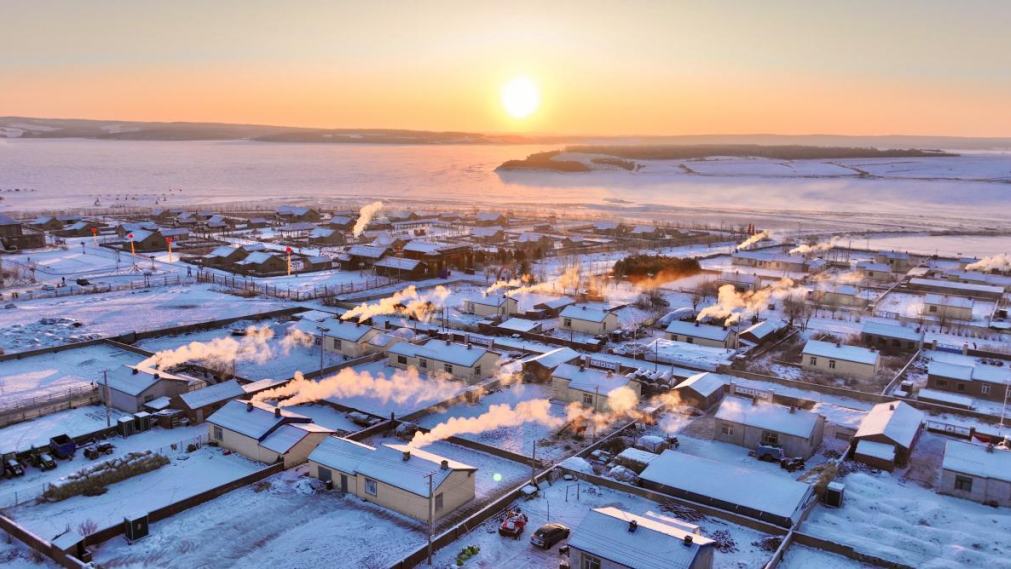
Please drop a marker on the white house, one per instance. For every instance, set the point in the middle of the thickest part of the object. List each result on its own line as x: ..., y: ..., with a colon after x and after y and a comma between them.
x: 837, y: 359
x: 946, y: 307
x: 491, y: 306
x: 465, y: 362
x: 264, y: 433
x: 874, y: 271
x: 612, y: 538
x: 895, y: 425
x: 701, y: 334
x: 130, y: 387
x: 343, y: 337
x: 748, y: 423
x: 978, y: 473
x: 587, y: 319
x: 589, y: 387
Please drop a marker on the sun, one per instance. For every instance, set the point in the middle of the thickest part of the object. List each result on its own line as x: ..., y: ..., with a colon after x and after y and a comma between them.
x: 520, y: 97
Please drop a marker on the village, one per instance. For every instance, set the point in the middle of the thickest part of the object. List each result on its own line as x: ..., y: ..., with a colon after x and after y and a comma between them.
x: 378, y: 385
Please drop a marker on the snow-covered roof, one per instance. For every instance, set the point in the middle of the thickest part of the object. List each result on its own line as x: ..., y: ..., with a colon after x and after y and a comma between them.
x: 486, y: 231
x: 738, y: 277
x: 451, y: 353
x: 531, y: 237
x: 584, y: 312
x: 555, y: 303
x: 604, y: 533
x: 842, y: 352
x: 140, y: 234
x: 222, y: 251
x: 555, y: 357
x: 770, y: 257
x: 253, y: 420
x: 405, y: 349
x: 704, y: 384
x: 133, y: 380
x: 977, y: 372
x: 212, y: 394
x: 344, y: 330
x: 637, y: 455
x: 606, y: 225
x: 763, y: 329
x: 257, y: 258
x: 982, y: 278
x: 966, y: 287
x: 426, y: 247
x: 893, y: 255
x: 398, y: 263
x: 875, y: 267
x: 886, y: 330
x: 292, y: 210
x: 492, y: 300
x: 321, y: 233
x: 768, y: 416
x: 386, y: 463
x: 776, y: 495
x: 590, y: 379
x: 367, y: 251
x: 287, y: 436
x: 975, y: 460
x: 897, y: 421
x: 641, y: 229
x: 944, y: 300
x: 945, y: 397
x: 489, y: 216
x: 698, y: 330
x: 158, y: 404
x: 883, y: 451
x: 519, y: 325
x: 254, y: 247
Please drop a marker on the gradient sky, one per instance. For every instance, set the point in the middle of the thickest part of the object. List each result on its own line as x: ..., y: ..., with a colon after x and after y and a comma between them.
x: 631, y: 67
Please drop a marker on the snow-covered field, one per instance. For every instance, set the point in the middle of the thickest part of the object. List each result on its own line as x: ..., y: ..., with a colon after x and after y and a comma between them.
x: 121, y: 312
x: 802, y: 557
x: 37, y: 432
x: 50, y: 374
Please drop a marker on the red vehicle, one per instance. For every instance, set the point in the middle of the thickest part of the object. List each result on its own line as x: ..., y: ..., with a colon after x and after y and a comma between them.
x: 513, y: 524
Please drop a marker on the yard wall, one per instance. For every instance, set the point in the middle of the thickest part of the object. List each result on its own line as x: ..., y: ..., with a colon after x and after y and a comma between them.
x: 38, y: 544
x: 845, y: 551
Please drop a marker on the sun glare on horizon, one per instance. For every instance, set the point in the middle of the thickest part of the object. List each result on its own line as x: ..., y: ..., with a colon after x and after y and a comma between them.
x: 520, y: 97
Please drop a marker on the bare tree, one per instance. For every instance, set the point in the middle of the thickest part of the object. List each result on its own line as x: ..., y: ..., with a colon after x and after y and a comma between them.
x: 794, y: 308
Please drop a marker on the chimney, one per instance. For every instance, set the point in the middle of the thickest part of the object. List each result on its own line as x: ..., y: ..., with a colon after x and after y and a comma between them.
x: 407, y: 455
x: 135, y: 371
x: 157, y: 376
x: 891, y: 406
x: 688, y: 540
x: 632, y: 526
x: 838, y: 344
x: 277, y: 412
x: 249, y: 406
x: 989, y: 447
x: 792, y: 409
x: 696, y: 323
x: 444, y: 465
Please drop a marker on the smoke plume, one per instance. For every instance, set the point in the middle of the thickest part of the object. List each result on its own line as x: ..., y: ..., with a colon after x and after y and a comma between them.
x: 753, y: 239
x: 365, y: 217
x: 497, y: 417
x: 568, y: 280
x: 254, y: 346
x: 1001, y: 262
x: 408, y: 302
x: 823, y: 246
x: 731, y: 304
x: 401, y: 387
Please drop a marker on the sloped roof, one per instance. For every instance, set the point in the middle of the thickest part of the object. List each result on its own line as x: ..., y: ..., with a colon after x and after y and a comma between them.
x: 133, y: 380
x: 255, y: 423
x: 768, y: 417
x: 975, y: 460
x: 584, y: 312
x: 212, y: 394
x: 704, y: 384
x: 698, y: 330
x: 843, y: 352
x: 604, y: 533
x: 897, y: 421
x: 555, y: 357
x: 590, y: 379
x: 449, y: 352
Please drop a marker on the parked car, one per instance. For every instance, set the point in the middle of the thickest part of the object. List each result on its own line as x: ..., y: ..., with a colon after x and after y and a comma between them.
x: 513, y: 524
x: 769, y: 453
x: 13, y: 466
x: 41, y: 459
x: 95, y: 450
x: 63, y: 446
x: 548, y: 535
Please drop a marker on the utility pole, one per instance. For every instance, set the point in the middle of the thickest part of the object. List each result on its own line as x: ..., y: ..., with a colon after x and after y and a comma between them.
x: 430, y: 508
x: 108, y: 420
x: 533, y: 467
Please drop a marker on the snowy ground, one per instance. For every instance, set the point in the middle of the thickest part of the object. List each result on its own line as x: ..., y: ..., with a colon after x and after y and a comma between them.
x: 187, y: 475
x: 287, y: 523
x: 514, y: 439
x: 802, y: 557
x: 37, y: 432
x: 121, y: 312
x: 560, y: 500
x: 49, y: 374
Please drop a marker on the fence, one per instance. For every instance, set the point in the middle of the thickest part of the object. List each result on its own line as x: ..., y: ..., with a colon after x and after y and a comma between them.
x: 51, y: 402
x: 287, y: 293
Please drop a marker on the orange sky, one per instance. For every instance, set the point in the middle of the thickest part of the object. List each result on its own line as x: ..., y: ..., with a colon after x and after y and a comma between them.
x: 603, y: 67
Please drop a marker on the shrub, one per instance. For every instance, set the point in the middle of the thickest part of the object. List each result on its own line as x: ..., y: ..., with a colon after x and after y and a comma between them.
x: 87, y: 527
x: 92, y: 480
x: 642, y: 265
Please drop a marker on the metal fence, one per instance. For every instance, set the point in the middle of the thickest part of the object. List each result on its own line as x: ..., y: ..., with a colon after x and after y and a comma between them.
x: 24, y: 409
x: 298, y: 294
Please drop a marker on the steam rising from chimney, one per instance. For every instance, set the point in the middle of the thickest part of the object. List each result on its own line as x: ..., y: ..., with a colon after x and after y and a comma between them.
x: 823, y: 246
x: 254, y: 346
x: 401, y: 387
x: 1001, y: 262
x: 365, y: 217
x: 753, y: 239
x: 731, y: 304
x: 408, y: 301
x: 568, y: 280
x: 497, y: 417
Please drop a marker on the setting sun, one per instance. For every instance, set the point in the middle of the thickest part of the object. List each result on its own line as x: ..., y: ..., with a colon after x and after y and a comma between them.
x: 520, y: 97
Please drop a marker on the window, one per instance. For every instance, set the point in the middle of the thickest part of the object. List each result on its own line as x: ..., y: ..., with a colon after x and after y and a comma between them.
x: 423, y: 363
x: 727, y: 429
x: 941, y: 382
x: 813, y: 361
x: 371, y: 487
x: 897, y: 343
x: 477, y: 371
x: 448, y: 368
x: 963, y: 483
x: 587, y: 399
x: 402, y: 360
x: 589, y: 562
x: 218, y: 433
x: 690, y: 340
x: 933, y: 308
x: 438, y: 502
x: 961, y: 387
x: 336, y: 344
x: 316, y: 340
x: 831, y: 364
x: 985, y: 389
x: 567, y: 323
x: 770, y: 438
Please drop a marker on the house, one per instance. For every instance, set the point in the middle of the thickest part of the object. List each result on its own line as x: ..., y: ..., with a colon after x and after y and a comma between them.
x: 464, y: 362
x: 402, y: 215
x: 586, y: 319
x: 440, y: 257
x: 262, y: 263
x: 488, y: 234
x: 972, y: 277
x: 885, y: 336
x: 46, y: 223
x: 534, y: 242
x: 224, y: 257
x: 646, y: 232
x: 202, y: 403
x: 751, y: 422
x: 395, y: 477
x: 874, y: 271
x: 318, y: 263
x: 740, y: 281
x: 299, y: 230
x: 125, y: 228
x: 769, y: 497
x: 489, y: 219
x: 293, y: 214
x: 265, y: 433
x: 551, y: 308
x: 492, y: 305
x: 539, y: 368
x: 898, y: 261
x: 887, y: 435
x: 341, y: 336
x: 977, y: 380
x: 845, y: 296
x: 590, y: 387
x: 762, y: 332
x: 978, y: 473
x: 14, y: 236
x: 774, y: 261
x: 520, y: 326
x: 701, y: 334
x: 341, y: 223
x: 128, y: 388
x: 612, y: 538
x: 325, y: 236
x: 702, y: 390
x: 967, y: 290
x: 362, y: 256
x: 840, y: 360
x: 80, y: 229
x: 945, y: 307
x: 389, y: 240
x: 402, y: 269
x: 144, y: 241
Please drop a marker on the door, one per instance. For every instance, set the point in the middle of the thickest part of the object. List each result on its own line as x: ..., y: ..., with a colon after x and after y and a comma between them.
x: 344, y: 483
x: 325, y: 474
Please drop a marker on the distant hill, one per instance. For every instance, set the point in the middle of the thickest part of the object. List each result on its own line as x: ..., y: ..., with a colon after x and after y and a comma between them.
x: 24, y: 127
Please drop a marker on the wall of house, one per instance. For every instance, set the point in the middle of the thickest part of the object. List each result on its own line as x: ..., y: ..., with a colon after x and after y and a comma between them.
x: 726, y: 343
x: 750, y: 437
x: 560, y: 391
x: 587, y: 327
x: 947, y: 311
x: 842, y: 368
x: 977, y: 389
x: 246, y: 446
x: 347, y: 347
x: 984, y: 490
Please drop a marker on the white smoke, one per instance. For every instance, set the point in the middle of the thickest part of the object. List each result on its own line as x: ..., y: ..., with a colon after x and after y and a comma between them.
x: 568, y: 280
x: 253, y: 346
x: 365, y: 217
x: 732, y: 305
x: 401, y: 387
x: 753, y: 239
x: 823, y: 246
x: 496, y: 417
x: 408, y: 302
x: 1001, y: 262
